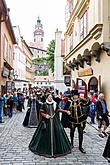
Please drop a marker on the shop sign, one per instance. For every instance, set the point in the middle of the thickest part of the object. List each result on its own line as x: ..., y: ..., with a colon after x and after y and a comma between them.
x: 67, y: 80
x: 5, y: 72
x: 85, y: 72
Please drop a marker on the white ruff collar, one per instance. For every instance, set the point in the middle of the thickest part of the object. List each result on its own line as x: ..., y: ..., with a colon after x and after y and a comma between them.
x: 48, y: 102
x: 52, y: 102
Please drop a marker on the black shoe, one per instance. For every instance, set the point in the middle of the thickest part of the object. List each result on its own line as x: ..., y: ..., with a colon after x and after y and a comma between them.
x: 108, y: 161
x: 82, y: 150
x: 104, y: 133
x: 101, y: 135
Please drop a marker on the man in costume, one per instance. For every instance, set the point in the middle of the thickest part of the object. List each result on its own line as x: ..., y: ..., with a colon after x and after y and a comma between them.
x: 76, y: 118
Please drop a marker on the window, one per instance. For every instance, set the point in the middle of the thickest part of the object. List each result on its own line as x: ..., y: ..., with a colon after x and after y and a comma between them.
x: 10, y: 55
x: 71, y: 41
x: 41, y: 39
x: 71, y: 7
x: 84, y: 25
x: 5, y: 48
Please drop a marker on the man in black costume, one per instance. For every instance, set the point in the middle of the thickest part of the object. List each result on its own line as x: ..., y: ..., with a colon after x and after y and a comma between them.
x: 76, y: 118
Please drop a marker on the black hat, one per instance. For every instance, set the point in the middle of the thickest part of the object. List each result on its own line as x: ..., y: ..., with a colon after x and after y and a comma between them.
x: 74, y: 92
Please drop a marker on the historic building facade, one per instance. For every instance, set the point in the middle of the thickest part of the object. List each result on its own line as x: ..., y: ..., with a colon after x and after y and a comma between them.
x: 29, y: 65
x: 7, y: 41
x: 87, y: 39
x: 19, y: 61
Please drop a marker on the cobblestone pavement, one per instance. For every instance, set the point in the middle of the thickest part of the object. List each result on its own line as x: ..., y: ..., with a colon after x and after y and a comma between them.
x: 14, y: 140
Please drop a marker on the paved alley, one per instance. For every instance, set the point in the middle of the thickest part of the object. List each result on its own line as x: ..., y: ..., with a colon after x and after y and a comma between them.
x: 14, y: 140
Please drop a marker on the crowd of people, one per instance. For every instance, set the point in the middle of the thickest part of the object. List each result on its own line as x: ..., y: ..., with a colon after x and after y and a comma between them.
x: 51, y: 111
x: 10, y: 103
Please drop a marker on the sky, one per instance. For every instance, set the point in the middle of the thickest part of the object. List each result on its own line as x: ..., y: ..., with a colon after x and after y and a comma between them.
x: 25, y: 13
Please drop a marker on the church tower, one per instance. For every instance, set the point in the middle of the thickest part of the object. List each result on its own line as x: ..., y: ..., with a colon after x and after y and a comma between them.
x: 39, y: 34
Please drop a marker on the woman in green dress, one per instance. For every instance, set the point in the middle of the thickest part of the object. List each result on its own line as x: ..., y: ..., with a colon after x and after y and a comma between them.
x: 50, y: 138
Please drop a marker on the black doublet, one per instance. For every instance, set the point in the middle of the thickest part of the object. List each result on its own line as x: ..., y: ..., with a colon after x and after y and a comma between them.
x: 77, y: 116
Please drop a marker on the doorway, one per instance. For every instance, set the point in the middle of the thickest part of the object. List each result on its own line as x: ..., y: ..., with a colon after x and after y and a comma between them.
x: 93, y: 85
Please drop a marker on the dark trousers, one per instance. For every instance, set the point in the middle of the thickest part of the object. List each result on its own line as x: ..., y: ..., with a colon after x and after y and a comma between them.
x: 92, y: 115
x: 80, y: 134
x: 10, y: 112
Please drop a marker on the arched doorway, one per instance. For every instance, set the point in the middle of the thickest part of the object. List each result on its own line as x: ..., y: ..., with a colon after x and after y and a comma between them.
x: 82, y: 87
x: 93, y: 85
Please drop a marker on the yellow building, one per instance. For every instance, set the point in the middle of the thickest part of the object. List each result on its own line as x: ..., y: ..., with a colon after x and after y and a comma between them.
x: 87, y: 39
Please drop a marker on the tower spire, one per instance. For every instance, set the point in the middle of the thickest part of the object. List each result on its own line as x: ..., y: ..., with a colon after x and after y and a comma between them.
x: 39, y: 33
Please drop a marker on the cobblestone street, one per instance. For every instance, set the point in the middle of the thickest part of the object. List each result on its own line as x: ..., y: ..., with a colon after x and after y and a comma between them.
x: 14, y: 140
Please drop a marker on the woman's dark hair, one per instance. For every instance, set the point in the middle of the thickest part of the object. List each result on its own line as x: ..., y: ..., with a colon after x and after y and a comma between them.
x: 48, y: 95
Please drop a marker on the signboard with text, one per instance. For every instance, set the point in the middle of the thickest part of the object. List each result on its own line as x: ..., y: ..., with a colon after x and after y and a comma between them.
x: 85, y: 72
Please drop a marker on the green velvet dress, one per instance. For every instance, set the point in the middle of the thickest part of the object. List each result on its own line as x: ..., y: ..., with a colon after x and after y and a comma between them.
x: 50, y: 138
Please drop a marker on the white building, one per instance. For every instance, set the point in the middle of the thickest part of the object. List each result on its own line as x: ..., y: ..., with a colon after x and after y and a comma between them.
x: 19, y: 61
x: 58, y: 64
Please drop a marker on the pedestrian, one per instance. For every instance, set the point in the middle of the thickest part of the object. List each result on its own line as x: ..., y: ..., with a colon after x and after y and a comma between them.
x: 10, y: 106
x: 2, y: 102
x: 106, y: 153
x: 6, y: 96
x: 64, y: 104
x: 102, y: 115
x: 15, y: 101
x: 32, y: 116
x: 92, y: 112
x: 20, y: 101
x: 76, y: 118
x: 50, y: 138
